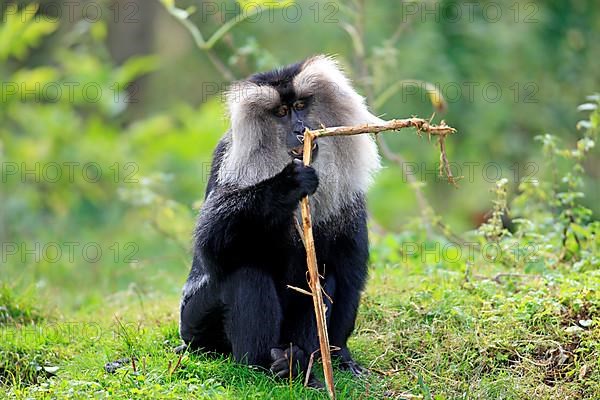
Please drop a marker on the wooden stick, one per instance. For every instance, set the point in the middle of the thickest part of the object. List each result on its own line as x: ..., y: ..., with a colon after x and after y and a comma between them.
x: 422, y: 125
x: 314, y: 281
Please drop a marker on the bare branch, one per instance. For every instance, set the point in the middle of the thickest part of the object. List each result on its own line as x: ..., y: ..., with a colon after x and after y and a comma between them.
x: 314, y: 281
x: 422, y: 125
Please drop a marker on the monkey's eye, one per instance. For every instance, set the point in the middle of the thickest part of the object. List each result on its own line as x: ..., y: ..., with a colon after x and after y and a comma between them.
x: 300, y: 105
x: 282, y: 111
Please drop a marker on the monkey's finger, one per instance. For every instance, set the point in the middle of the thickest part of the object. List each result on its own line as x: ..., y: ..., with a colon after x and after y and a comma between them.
x: 315, y: 383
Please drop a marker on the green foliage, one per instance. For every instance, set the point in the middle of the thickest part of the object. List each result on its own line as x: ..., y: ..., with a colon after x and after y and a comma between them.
x: 480, y: 338
x: 18, y: 309
x: 67, y: 153
x: 26, y: 362
x: 550, y: 211
x: 20, y: 31
x: 494, y: 228
x: 248, y: 9
x: 423, y: 329
x: 24, y: 367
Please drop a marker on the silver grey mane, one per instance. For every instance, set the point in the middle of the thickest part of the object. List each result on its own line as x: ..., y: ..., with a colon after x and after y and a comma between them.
x: 257, y: 151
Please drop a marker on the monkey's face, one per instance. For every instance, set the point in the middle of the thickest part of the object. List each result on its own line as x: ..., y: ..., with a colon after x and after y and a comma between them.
x: 283, y: 103
x: 271, y: 110
x: 292, y: 117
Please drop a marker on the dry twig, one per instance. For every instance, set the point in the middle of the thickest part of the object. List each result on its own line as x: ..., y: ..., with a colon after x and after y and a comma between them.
x: 171, y: 372
x: 314, y: 282
x: 421, y: 125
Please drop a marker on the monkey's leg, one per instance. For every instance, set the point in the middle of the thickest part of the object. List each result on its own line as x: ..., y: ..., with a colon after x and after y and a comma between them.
x: 253, y: 315
x: 201, y: 322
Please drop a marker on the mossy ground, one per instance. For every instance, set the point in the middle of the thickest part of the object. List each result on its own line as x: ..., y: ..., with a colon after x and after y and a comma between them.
x: 425, y: 330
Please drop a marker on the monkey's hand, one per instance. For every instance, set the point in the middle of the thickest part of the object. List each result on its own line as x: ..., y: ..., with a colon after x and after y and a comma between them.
x: 298, y: 181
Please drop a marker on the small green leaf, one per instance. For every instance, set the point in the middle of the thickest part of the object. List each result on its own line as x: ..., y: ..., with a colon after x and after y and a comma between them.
x: 135, y: 67
x: 99, y: 31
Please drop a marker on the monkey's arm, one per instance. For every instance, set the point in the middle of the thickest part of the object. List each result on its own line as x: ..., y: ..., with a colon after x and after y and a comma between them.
x: 234, y: 221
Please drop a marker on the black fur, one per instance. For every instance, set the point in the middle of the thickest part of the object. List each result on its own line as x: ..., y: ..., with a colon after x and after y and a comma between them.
x: 280, y: 79
x: 247, y: 251
x: 277, y: 76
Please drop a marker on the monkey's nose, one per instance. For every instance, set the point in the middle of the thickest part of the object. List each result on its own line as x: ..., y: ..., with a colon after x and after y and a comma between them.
x: 298, y: 130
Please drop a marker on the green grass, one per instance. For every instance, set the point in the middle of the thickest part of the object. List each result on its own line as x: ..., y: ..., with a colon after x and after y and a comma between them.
x: 426, y: 330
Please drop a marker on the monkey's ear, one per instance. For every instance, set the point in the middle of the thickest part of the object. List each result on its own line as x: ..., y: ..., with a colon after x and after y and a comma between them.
x: 244, y: 95
x: 323, y: 76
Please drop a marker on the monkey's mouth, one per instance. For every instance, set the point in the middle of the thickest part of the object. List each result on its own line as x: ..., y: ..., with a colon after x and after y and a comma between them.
x: 298, y: 151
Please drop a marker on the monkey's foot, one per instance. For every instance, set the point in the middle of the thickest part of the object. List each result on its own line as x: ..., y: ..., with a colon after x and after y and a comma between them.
x: 314, y: 383
x: 294, y: 358
x: 287, y: 361
x: 113, y: 366
x: 355, y: 368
